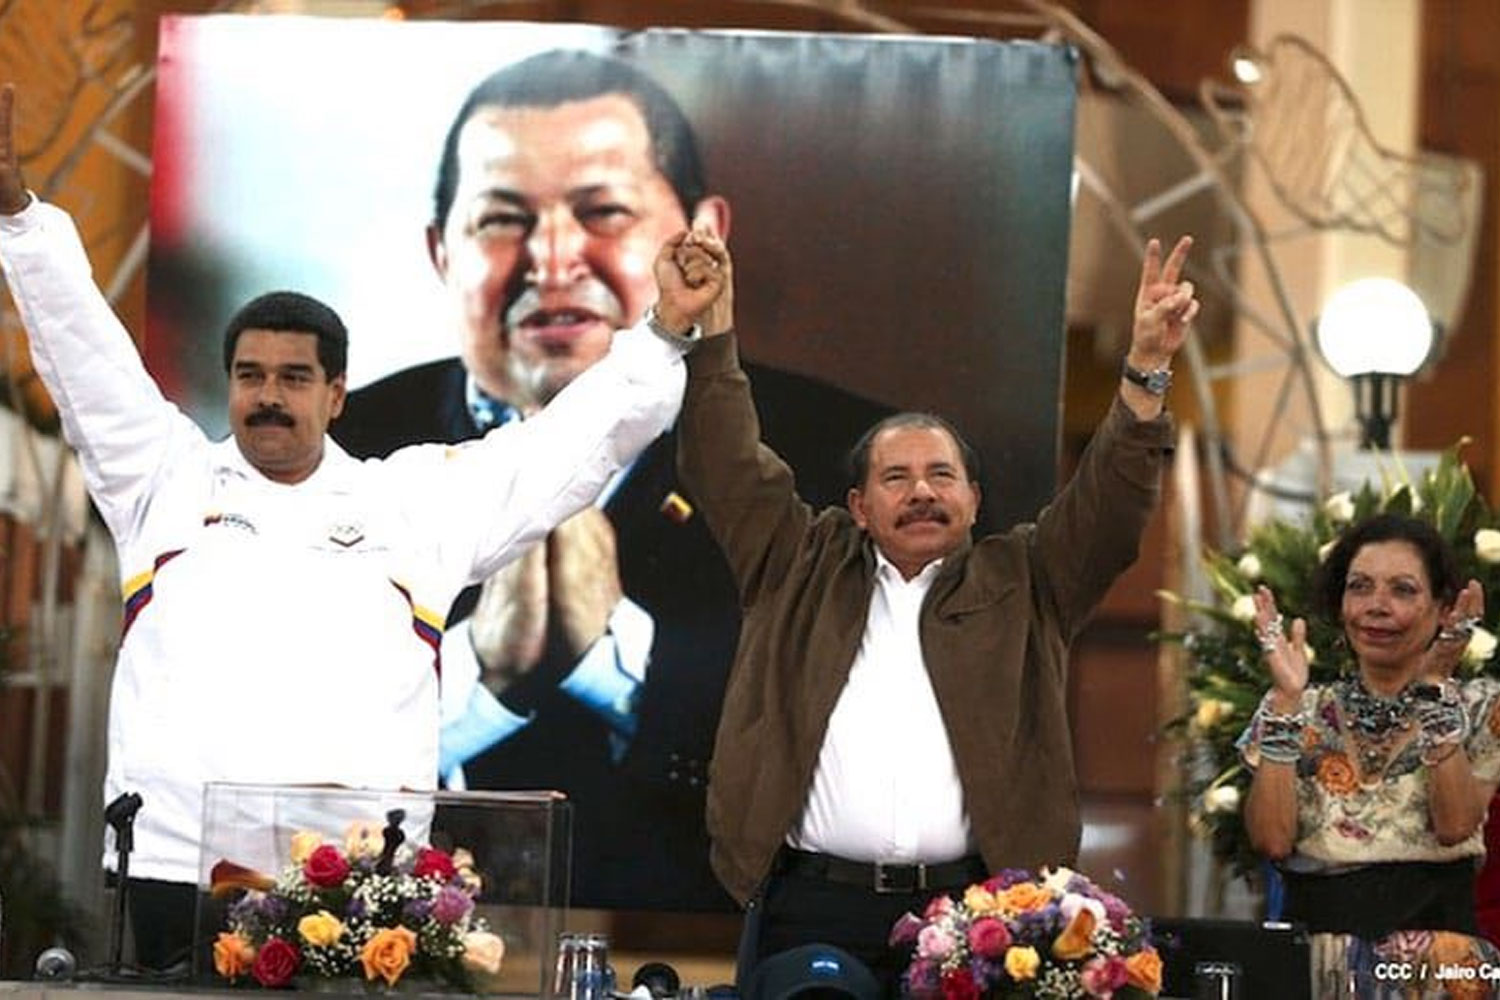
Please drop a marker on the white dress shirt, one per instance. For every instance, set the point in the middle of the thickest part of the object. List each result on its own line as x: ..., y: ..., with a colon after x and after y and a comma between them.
x: 886, y: 786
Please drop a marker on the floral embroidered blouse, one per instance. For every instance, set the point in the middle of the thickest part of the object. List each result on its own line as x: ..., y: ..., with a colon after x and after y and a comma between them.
x: 1362, y: 800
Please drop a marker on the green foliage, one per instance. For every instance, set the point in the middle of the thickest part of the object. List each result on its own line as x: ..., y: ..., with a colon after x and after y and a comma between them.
x: 1226, y: 675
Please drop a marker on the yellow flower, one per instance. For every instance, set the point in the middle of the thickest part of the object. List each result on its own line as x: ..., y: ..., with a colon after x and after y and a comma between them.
x: 1076, y: 939
x: 1339, y: 507
x: 1057, y: 879
x: 1022, y: 963
x: 388, y: 954
x: 1487, y: 545
x: 1249, y: 566
x: 1243, y: 608
x: 1221, y: 799
x: 1212, y: 711
x: 483, y: 952
x: 463, y: 861
x: 1481, y: 646
x: 981, y: 901
x: 233, y: 955
x: 364, y: 838
x: 320, y: 929
x: 304, y: 842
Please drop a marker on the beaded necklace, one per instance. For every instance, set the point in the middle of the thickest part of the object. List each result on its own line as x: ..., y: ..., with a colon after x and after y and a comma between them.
x: 1379, y: 726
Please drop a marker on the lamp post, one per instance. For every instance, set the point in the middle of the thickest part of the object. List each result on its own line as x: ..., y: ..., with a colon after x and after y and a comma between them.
x: 1374, y: 332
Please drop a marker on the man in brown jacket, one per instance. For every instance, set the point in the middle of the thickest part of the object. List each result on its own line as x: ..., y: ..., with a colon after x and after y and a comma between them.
x: 895, y: 724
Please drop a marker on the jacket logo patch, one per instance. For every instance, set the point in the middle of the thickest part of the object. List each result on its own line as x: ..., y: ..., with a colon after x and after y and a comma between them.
x: 346, y: 535
x: 237, y: 521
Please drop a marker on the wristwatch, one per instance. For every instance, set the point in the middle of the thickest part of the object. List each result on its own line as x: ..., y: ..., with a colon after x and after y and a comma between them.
x: 1156, y: 381
x: 684, y: 340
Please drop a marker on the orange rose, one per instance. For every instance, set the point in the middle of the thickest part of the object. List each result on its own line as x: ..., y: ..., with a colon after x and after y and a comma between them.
x: 233, y: 955
x: 388, y: 953
x: 1336, y: 774
x: 1074, y: 942
x: 1143, y: 969
x: 1023, y: 897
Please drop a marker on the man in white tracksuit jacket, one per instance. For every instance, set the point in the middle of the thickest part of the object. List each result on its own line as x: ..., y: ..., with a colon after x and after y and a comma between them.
x: 284, y: 602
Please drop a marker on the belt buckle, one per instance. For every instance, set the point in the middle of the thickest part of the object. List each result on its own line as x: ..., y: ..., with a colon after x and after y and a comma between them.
x: 899, y: 878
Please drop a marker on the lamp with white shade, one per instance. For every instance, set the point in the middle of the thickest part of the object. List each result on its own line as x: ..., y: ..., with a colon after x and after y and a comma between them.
x: 1374, y: 332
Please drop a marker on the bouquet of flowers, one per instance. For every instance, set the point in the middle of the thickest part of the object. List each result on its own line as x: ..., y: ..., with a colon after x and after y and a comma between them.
x: 1054, y: 936
x: 1226, y: 674
x: 371, y: 907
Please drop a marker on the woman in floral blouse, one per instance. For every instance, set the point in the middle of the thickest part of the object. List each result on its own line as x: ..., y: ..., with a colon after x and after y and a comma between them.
x: 1370, y: 793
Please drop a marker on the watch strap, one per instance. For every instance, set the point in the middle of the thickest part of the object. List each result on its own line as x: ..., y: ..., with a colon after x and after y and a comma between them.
x: 1155, y: 381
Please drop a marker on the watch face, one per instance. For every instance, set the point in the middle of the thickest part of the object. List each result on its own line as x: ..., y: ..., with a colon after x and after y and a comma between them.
x: 1157, y: 381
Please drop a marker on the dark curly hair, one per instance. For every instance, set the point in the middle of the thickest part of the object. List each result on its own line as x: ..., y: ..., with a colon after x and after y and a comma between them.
x: 1436, y: 554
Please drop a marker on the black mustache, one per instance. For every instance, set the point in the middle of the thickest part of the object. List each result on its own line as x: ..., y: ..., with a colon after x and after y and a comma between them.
x: 925, y: 512
x: 278, y: 417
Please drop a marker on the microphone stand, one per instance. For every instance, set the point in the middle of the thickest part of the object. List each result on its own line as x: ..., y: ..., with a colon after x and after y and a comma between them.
x: 120, y: 815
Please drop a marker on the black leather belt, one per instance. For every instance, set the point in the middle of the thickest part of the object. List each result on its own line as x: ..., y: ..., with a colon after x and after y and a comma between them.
x: 881, y: 877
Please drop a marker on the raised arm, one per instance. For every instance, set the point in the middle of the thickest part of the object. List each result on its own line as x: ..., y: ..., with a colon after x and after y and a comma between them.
x: 1091, y: 532
x: 495, y: 496
x: 112, y: 412
x: 1273, y: 745
x: 744, y: 489
x: 1459, y: 799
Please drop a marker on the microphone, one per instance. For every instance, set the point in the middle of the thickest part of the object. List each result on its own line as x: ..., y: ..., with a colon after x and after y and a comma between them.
x: 120, y: 815
x: 56, y: 964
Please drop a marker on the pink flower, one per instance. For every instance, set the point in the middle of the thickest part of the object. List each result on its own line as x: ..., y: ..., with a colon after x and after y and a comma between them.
x: 904, y: 931
x: 935, y: 942
x: 1102, y: 975
x: 988, y: 937
x: 922, y: 980
x: 940, y: 906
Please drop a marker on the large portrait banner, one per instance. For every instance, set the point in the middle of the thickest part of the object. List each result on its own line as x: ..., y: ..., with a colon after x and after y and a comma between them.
x: 481, y: 202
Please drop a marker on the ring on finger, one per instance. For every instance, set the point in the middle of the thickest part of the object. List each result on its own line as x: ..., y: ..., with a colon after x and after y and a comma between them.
x: 1269, y: 634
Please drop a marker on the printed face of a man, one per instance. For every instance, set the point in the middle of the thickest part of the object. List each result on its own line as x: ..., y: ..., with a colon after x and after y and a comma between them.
x: 548, y: 249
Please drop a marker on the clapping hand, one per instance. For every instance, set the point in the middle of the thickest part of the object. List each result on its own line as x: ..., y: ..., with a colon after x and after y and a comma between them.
x: 1455, y: 629
x: 1286, y: 656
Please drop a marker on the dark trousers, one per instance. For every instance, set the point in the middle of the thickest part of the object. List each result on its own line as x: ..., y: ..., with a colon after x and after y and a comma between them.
x: 794, y: 910
x: 1372, y: 902
x: 162, y: 916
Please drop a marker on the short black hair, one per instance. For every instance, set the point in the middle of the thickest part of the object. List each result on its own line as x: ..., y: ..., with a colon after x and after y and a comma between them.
x: 293, y: 312
x: 1436, y: 554
x: 561, y: 76
x: 857, y: 463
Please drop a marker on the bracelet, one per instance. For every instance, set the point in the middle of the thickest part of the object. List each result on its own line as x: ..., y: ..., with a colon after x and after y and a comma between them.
x: 1279, y: 736
x: 682, y: 341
